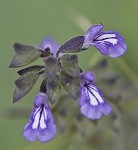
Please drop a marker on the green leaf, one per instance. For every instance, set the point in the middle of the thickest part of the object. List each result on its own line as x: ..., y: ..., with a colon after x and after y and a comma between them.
x: 24, y: 84
x: 53, y: 84
x: 73, y: 45
x: 51, y: 66
x: 70, y: 84
x: 24, y: 55
x: 43, y: 86
x: 53, y: 88
x: 70, y: 65
x: 35, y: 68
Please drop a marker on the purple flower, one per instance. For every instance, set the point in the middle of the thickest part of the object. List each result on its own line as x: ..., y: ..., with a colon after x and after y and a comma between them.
x: 91, y: 98
x: 41, y: 123
x: 108, y: 42
x: 49, y: 42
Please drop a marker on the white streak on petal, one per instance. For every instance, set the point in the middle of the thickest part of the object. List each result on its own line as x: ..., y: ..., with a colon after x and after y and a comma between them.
x: 93, y: 100
x: 106, y: 36
x: 93, y: 87
x: 42, y: 121
x: 98, y: 96
x: 36, y: 119
x: 112, y: 40
x: 36, y: 110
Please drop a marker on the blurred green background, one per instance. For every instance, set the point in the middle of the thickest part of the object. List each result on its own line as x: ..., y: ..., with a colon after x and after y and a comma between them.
x: 29, y: 21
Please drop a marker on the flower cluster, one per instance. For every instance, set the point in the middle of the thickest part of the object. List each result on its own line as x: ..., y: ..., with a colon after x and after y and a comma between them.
x: 62, y: 70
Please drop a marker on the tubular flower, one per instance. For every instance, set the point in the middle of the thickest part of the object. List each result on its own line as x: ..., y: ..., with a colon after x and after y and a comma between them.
x: 91, y: 99
x: 41, y: 123
x: 108, y: 43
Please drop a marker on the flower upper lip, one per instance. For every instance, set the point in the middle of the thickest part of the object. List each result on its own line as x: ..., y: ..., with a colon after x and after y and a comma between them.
x: 49, y: 45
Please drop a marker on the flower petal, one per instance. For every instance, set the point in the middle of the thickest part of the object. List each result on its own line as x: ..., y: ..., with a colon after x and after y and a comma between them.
x: 47, y: 129
x: 110, y: 43
x: 91, y: 112
x: 30, y: 129
x: 91, y: 33
x: 92, y: 102
x: 106, y: 108
x: 95, y: 94
x: 29, y: 132
x: 39, y: 99
x: 83, y: 98
x: 87, y: 77
x: 49, y: 42
x: 46, y: 134
x: 95, y: 112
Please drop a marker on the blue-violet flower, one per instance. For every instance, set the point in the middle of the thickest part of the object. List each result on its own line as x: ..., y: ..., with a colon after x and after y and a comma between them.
x: 41, y: 124
x: 108, y: 43
x: 50, y: 43
x: 91, y: 99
